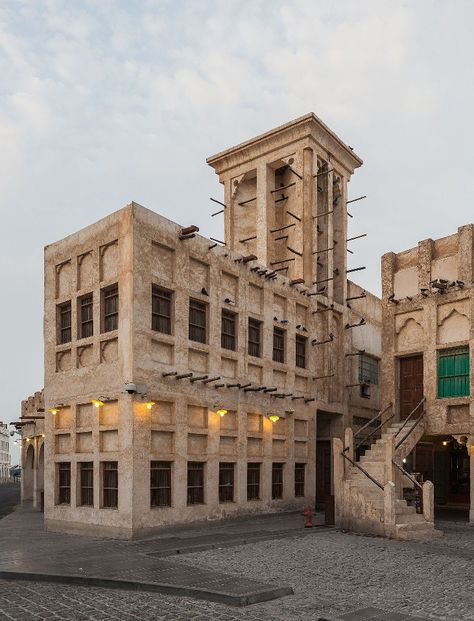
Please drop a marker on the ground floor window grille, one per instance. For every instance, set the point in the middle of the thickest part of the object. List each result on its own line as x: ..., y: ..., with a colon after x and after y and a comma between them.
x: 253, y: 481
x: 87, y: 483
x: 277, y: 481
x: 195, y: 483
x: 226, y: 482
x: 299, y: 479
x: 110, y: 484
x: 160, y: 484
x: 64, y: 483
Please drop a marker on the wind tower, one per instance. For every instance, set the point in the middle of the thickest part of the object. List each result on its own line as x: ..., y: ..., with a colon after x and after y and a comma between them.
x: 285, y: 195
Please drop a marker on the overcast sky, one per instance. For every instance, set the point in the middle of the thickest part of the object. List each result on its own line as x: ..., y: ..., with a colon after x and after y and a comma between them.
x: 103, y: 102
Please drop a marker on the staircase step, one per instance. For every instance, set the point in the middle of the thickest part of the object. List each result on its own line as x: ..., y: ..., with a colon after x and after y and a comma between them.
x: 418, y: 530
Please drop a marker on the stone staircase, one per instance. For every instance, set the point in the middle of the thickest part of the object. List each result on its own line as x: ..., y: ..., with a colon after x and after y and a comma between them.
x: 365, y: 507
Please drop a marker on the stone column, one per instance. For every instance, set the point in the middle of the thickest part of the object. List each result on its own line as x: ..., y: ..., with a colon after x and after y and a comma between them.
x: 262, y: 228
x: 338, y: 480
x: 428, y: 501
x: 308, y: 226
x: 389, y: 500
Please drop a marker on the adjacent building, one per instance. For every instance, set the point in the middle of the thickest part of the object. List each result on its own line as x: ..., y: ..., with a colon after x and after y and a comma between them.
x: 5, y: 463
x: 188, y: 379
x: 428, y: 339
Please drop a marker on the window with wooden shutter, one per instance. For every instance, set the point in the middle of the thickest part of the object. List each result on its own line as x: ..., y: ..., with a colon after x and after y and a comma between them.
x: 453, y: 372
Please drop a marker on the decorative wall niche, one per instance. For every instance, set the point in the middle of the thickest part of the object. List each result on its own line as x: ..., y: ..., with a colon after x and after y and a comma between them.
x: 453, y: 322
x: 84, y: 442
x: 279, y: 448
x: 109, y: 351
x: 301, y: 449
x: 85, y: 356
x: 197, y: 416
x: 162, y: 442
x: 254, y: 423
x: 162, y: 352
x: 84, y: 415
x: 229, y: 285
x: 198, y: 274
x: 109, y: 257
x: 162, y: 413
x: 254, y: 447
x: 255, y: 299
x: 63, y: 443
x: 109, y: 414
x: 109, y: 441
x: 409, y: 331
x: 197, y: 444
x: 64, y: 360
x: 85, y: 270
x: 63, y: 279
x: 228, y: 445
x: 162, y: 261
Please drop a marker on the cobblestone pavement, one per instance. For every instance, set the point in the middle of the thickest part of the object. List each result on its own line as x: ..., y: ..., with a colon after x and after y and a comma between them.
x: 331, y: 573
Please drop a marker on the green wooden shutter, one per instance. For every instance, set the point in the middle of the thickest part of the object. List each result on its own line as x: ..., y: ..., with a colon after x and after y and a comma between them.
x: 453, y: 373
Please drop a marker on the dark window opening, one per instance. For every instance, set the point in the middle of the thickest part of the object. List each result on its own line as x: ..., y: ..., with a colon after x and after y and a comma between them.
x: 86, y: 474
x: 195, y: 483
x: 278, y: 345
x: 197, y: 321
x: 110, y: 302
x: 255, y: 337
x: 86, y: 320
x: 64, y: 483
x: 253, y: 481
x: 277, y: 481
x: 64, y: 318
x: 161, y: 309
x: 110, y: 484
x: 160, y: 484
x: 228, y: 330
x: 226, y: 482
x: 299, y: 479
x: 301, y: 351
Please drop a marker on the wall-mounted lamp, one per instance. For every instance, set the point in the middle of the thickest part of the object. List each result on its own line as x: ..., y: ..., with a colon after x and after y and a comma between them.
x: 42, y: 435
x: 274, y: 418
x: 222, y: 412
x: 97, y: 403
x: 445, y: 443
x: 53, y: 411
x: 150, y: 404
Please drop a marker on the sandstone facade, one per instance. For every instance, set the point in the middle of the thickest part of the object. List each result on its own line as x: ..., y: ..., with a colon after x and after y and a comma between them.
x: 243, y: 357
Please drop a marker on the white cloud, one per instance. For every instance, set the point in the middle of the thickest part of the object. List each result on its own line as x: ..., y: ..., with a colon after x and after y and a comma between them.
x: 104, y: 102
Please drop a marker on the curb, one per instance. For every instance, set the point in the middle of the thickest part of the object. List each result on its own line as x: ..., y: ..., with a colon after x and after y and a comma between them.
x: 220, y: 597
x: 204, y: 547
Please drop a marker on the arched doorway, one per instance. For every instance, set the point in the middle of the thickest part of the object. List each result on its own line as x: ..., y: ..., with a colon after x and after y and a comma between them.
x: 40, y: 476
x: 27, y: 474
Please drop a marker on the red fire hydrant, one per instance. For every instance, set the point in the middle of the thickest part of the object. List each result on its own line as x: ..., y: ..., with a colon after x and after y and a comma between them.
x: 308, y: 517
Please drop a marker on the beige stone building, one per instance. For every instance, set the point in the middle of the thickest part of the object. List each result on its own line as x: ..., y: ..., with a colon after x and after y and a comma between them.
x: 188, y: 379
x: 4, y: 452
x: 424, y: 459
x: 428, y: 311
x: 31, y: 427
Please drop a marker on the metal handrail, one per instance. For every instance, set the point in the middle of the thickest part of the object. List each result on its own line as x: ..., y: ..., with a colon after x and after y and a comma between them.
x: 407, y: 474
x: 362, y: 470
x: 381, y: 413
x: 412, y: 428
x: 374, y: 431
x: 407, y: 419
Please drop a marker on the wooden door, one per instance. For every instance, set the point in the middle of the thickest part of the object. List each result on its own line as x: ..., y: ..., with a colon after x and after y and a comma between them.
x: 411, y: 384
x: 323, y: 470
